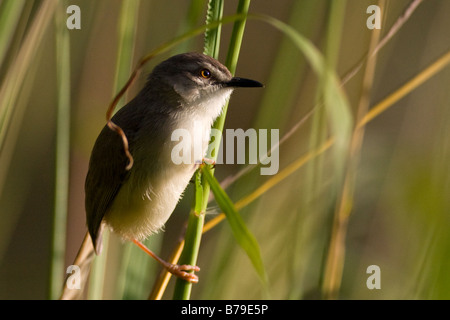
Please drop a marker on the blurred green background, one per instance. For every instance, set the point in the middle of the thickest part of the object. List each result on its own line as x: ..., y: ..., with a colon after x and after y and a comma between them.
x: 400, y: 202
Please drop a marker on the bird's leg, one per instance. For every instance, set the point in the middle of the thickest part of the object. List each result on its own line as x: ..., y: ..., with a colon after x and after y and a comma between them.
x: 175, y: 269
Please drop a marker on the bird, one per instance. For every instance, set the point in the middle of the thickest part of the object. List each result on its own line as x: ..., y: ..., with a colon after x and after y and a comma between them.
x: 185, y: 92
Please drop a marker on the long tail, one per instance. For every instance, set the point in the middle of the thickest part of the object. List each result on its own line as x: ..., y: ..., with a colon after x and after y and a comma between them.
x: 75, y: 282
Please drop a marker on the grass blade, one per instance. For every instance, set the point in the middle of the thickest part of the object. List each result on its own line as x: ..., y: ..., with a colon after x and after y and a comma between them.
x: 192, y: 239
x: 212, y: 35
x: 240, y: 231
x: 62, y: 153
x: 14, y: 78
x: 9, y: 18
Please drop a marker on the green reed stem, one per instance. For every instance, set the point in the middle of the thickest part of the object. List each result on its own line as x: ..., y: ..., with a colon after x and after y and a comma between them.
x: 196, y: 217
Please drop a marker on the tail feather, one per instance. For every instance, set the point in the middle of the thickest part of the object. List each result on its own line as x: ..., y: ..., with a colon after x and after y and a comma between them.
x: 75, y: 282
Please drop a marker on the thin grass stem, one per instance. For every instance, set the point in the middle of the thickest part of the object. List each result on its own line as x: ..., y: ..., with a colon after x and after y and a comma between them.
x: 197, y: 214
x: 62, y: 153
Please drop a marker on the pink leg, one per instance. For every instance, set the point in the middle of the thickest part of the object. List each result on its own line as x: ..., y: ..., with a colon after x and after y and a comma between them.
x: 177, y: 270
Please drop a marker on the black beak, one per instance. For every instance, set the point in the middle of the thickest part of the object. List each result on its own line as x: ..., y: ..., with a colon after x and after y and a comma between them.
x: 241, y: 82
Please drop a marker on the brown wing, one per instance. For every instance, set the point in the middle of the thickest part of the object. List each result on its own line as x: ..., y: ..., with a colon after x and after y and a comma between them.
x: 107, y: 167
x: 105, y: 177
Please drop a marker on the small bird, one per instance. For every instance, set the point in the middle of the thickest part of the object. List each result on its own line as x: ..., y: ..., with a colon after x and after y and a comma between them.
x: 187, y: 91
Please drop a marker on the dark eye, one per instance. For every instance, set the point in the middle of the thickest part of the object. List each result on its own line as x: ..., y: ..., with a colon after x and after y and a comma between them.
x: 205, y: 73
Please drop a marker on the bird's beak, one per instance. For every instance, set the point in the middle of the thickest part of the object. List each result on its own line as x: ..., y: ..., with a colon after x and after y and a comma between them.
x: 241, y: 82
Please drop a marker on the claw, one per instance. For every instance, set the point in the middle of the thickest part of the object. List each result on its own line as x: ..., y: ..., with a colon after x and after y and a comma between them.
x: 180, y: 272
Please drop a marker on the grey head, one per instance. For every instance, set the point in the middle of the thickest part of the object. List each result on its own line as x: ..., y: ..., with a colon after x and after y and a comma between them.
x: 194, y: 77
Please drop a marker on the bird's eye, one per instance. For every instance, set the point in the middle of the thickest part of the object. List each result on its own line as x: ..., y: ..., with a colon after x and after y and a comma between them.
x: 205, y: 73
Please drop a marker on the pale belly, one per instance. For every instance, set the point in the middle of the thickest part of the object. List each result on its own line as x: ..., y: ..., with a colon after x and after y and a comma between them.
x: 151, y: 193
x: 136, y: 213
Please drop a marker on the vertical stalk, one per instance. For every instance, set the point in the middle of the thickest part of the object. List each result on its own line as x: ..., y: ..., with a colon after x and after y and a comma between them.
x: 336, y: 252
x: 193, y: 237
x: 212, y: 35
x: 197, y: 213
x: 9, y: 18
x: 196, y: 217
x: 62, y: 153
